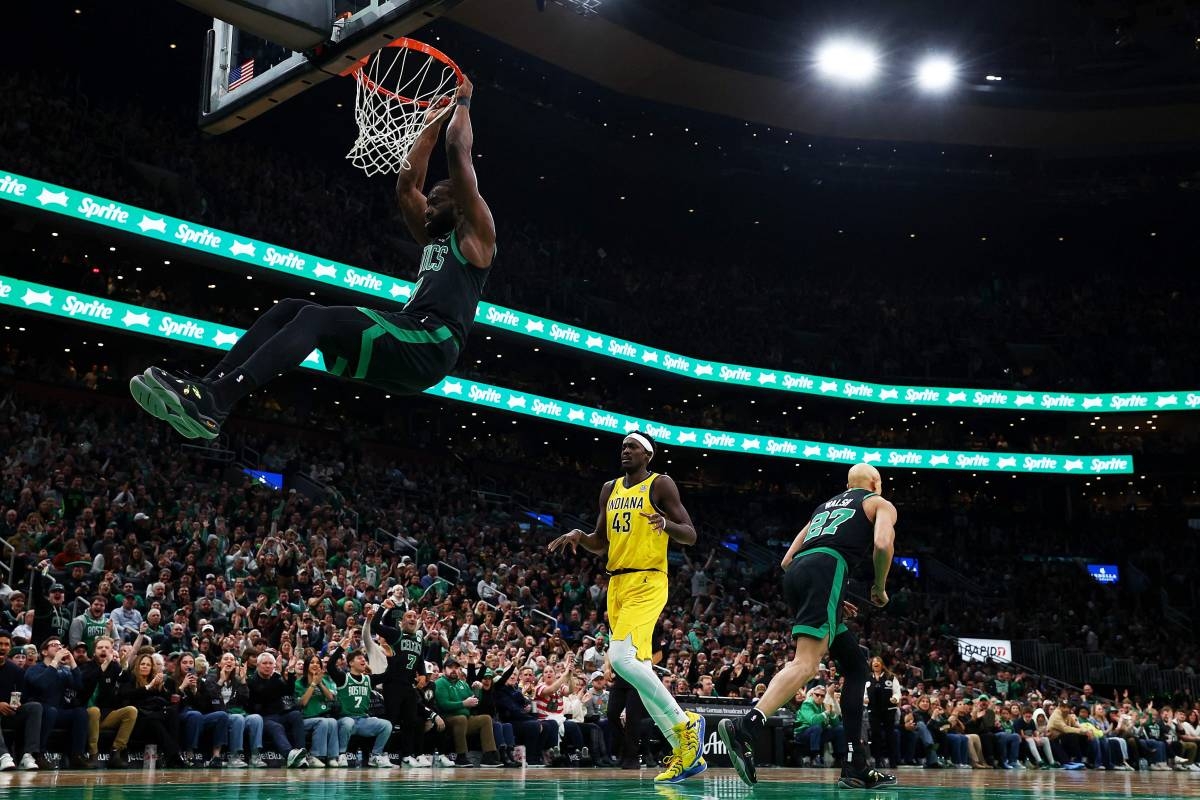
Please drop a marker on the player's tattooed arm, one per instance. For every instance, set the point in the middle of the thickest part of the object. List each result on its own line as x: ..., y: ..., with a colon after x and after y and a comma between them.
x: 674, y: 519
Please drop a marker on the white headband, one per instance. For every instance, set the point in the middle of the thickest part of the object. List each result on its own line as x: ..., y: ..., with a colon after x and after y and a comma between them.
x: 642, y: 440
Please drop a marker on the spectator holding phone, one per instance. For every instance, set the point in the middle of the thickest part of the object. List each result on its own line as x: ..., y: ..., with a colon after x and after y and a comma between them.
x: 228, y: 692
x: 197, y: 715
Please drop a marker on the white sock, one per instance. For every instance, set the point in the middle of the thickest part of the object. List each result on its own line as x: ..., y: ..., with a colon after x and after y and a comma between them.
x: 660, y: 704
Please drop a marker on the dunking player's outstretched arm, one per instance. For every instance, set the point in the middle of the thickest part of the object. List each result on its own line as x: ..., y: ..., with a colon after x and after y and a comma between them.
x: 476, y: 228
x: 596, y: 541
x: 674, y: 519
x: 885, y: 539
x: 410, y: 183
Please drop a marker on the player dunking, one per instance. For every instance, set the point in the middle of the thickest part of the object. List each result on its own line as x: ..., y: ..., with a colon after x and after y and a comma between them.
x: 640, y: 514
x: 403, y: 352
x: 844, y: 528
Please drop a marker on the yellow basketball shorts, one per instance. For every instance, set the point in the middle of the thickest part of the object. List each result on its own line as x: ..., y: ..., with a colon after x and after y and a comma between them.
x: 635, y: 602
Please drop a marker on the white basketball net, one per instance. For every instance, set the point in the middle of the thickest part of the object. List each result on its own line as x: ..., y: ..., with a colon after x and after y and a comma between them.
x: 393, y: 92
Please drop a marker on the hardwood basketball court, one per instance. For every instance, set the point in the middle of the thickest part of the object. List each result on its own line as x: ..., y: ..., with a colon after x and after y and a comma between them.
x: 496, y: 784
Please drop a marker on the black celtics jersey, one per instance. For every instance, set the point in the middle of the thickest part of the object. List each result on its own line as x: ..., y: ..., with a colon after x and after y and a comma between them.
x: 409, y: 658
x: 840, y: 524
x: 448, y: 286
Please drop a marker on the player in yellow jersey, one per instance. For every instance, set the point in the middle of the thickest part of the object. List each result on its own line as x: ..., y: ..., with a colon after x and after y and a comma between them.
x: 640, y: 514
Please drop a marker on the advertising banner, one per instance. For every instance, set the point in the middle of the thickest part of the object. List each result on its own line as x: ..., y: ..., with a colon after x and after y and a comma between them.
x: 983, y: 649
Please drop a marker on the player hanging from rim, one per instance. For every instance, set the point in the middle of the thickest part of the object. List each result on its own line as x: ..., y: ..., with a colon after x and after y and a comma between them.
x: 640, y: 514
x: 844, y: 528
x: 403, y: 352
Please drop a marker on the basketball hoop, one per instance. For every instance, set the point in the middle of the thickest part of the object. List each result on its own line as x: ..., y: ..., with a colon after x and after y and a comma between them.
x: 395, y: 88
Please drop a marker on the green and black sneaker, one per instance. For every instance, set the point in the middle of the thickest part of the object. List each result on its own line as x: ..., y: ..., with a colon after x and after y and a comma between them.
x: 185, y: 402
x: 740, y: 750
x: 864, y: 778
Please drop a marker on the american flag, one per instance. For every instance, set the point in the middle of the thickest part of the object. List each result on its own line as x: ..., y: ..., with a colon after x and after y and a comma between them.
x: 241, y: 74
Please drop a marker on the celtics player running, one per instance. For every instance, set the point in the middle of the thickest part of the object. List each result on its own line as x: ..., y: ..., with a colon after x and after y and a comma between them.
x: 847, y: 527
x: 403, y: 352
x: 640, y: 513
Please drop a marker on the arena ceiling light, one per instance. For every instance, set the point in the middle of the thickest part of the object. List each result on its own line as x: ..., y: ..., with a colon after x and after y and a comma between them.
x: 848, y: 61
x: 936, y: 74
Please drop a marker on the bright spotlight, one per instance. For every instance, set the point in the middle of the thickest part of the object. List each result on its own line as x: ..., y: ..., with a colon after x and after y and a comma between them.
x: 847, y: 61
x: 936, y: 74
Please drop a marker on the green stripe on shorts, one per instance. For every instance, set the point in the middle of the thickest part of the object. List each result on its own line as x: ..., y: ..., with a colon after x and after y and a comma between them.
x: 414, y: 336
x: 831, y: 627
x: 384, y: 328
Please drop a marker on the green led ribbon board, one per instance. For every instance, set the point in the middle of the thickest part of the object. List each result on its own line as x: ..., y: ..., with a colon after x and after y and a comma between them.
x: 264, y: 256
x: 91, y: 310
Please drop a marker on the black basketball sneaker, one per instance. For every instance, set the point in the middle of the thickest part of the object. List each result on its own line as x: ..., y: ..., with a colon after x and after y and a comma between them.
x: 740, y: 749
x: 183, y: 401
x: 864, y: 778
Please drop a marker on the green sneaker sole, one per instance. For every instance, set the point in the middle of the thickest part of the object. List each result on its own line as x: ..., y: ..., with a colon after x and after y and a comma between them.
x: 173, y: 410
x: 145, y: 396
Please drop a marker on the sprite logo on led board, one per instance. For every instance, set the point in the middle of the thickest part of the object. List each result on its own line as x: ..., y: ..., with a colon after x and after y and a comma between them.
x: 257, y: 255
x: 152, y: 322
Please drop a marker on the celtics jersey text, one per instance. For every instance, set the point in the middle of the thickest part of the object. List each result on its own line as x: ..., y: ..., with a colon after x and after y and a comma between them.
x: 448, y: 286
x: 632, y: 542
x: 355, y: 695
x: 410, y: 649
x: 93, y: 629
x: 841, y: 524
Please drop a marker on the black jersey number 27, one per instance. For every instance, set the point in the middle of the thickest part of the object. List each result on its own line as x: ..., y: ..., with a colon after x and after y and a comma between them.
x: 826, y: 523
x: 621, y: 522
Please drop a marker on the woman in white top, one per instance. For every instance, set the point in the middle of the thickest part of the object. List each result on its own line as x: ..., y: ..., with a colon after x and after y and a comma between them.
x: 1188, y: 730
x: 575, y: 710
x: 1111, y: 740
x: 1042, y: 738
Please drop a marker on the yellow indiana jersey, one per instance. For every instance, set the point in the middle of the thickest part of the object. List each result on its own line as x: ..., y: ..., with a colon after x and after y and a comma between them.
x: 632, y: 542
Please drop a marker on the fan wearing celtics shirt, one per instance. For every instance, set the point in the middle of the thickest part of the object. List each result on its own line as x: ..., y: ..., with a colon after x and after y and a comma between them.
x: 398, y: 681
x: 354, y: 696
x: 402, y: 351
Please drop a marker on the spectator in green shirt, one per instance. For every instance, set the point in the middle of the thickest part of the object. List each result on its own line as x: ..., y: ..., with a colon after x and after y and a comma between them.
x: 414, y: 591
x: 456, y: 701
x: 815, y: 726
x: 354, y: 697
x: 316, y: 697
